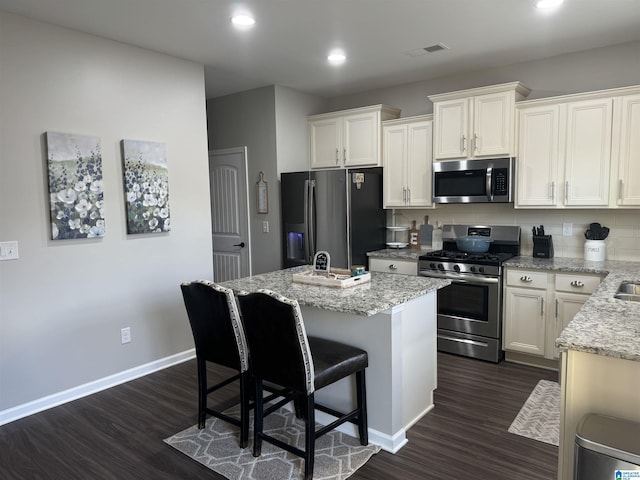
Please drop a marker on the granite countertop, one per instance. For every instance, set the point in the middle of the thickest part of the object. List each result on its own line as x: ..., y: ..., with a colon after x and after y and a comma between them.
x: 604, y: 325
x: 399, y: 253
x: 384, y: 291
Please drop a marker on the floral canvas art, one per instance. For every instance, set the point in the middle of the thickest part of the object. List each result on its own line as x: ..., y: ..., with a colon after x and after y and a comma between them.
x: 146, y: 183
x: 75, y: 186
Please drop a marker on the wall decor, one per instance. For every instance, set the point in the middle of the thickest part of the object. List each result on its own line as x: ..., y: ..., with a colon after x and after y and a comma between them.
x: 262, y: 194
x: 75, y: 186
x: 146, y: 185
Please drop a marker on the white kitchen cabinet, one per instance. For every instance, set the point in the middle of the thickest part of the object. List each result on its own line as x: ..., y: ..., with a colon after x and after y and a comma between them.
x: 539, y: 305
x: 579, y: 151
x: 407, y: 159
x: 476, y: 123
x: 349, y: 138
x: 626, y: 190
x: 564, y: 154
x: 393, y: 265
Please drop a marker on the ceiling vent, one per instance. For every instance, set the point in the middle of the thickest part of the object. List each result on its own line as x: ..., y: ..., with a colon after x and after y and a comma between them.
x: 424, y: 50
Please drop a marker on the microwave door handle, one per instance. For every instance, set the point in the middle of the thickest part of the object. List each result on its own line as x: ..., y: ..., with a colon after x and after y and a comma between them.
x: 488, y: 184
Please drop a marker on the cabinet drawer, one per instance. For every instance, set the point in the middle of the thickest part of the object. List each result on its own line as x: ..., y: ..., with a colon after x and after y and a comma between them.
x: 527, y: 278
x: 586, y: 284
x: 390, y: 265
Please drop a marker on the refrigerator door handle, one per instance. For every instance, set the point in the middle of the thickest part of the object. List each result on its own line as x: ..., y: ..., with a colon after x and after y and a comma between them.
x: 309, y: 219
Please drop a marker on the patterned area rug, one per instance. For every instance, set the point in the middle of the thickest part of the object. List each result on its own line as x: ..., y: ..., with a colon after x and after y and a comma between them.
x: 216, y: 446
x: 539, y: 417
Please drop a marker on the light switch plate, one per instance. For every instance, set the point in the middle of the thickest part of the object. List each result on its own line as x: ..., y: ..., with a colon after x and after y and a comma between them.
x: 567, y: 229
x: 9, y: 250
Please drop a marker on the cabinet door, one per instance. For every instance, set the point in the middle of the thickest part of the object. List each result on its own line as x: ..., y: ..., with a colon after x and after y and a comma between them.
x: 419, y: 161
x: 451, y: 127
x: 395, y: 161
x: 492, y: 125
x: 566, y: 307
x: 628, y: 187
x: 537, y: 168
x: 325, y: 143
x: 524, y: 329
x: 361, y: 138
x: 588, y: 153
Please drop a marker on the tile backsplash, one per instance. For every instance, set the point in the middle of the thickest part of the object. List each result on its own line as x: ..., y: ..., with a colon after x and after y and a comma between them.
x: 623, y: 242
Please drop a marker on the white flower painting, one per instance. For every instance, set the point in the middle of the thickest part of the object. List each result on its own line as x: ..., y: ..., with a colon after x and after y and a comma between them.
x: 146, y: 184
x: 75, y: 186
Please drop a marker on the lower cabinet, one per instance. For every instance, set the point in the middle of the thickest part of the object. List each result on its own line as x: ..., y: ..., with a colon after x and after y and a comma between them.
x: 393, y: 265
x: 538, y: 305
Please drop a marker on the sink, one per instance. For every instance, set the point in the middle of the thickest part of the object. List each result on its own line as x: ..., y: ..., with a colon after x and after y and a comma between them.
x: 629, y: 291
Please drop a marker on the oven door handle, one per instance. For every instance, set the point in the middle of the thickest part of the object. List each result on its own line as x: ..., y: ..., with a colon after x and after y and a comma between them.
x: 463, y: 278
x: 464, y: 340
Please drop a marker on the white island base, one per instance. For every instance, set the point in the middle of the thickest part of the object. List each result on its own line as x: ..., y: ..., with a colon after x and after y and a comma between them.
x: 401, y: 377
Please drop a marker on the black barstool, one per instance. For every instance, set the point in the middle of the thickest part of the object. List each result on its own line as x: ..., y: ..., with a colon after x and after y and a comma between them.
x: 219, y: 338
x: 282, y: 354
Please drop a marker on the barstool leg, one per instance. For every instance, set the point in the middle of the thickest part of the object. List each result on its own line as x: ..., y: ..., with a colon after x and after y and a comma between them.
x: 309, y: 437
x: 361, y: 392
x: 257, y: 418
x: 202, y: 393
x: 245, y: 387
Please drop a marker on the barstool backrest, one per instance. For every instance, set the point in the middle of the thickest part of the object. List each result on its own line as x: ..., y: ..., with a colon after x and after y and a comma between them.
x: 277, y: 340
x: 218, y: 333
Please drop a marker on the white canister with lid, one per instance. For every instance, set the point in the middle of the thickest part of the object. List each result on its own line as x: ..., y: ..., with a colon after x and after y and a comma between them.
x: 594, y: 250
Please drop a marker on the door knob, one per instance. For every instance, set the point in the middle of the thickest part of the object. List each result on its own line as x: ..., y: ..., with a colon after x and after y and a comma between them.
x: 241, y: 245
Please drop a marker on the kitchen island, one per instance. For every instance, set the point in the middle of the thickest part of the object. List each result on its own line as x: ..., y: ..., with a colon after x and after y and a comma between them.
x: 600, y: 363
x: 393, y: 318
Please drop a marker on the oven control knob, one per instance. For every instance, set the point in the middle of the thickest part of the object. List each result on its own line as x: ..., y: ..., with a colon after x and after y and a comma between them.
x: 456, y: 268
x: 440, y: 266
x: 473, y: 269
x: 481, y: 269
x: 432, y: 265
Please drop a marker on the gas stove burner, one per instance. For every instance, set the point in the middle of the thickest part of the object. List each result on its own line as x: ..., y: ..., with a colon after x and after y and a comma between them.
x: 463, y: 257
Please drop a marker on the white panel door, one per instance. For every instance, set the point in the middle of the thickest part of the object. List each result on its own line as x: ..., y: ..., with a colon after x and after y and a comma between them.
x: 361, y: 139
x: 229, y: 214
x: 325, y: 142
x: 524, y: 329
x: 451, y: 126
x: 394, y: 174
x: 492, y: 125
x: 588, y: 153
x: 629, y: 163
x: 538, y: 147
x: 419, y: 163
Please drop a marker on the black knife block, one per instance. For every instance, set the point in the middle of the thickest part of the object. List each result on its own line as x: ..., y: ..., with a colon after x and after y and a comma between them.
x: 542, y: 246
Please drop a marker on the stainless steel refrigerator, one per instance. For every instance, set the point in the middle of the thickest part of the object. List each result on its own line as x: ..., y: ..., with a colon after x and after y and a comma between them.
x: 338, y: 211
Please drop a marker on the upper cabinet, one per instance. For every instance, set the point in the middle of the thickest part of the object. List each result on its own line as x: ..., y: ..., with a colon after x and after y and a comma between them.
x: 348, y: 138
x: 407, y: 158
x: 476, y: 123
x: 626, y: 152
x: 578, y: 151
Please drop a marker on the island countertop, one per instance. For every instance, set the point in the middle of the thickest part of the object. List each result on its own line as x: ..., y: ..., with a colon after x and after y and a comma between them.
x: 604, y: 325
x: 383, y: 292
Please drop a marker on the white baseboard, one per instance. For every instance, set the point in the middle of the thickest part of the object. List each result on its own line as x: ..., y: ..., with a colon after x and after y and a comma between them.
x: 50, y: 401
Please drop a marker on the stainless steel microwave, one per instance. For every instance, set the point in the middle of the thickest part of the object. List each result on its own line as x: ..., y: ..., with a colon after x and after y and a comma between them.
x: 474, y: 181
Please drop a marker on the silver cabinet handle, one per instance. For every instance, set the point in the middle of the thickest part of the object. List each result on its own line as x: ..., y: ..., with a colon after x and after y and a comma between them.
x: 553, y: 192
x: 566, y: 192
x: 463, y: 143
x: 337, y: 156
x: 526, y: 278
x: 344, y: 154
x: 541, y: 306
x: 475, y: 142
x: 557, y: 308
x: 577, y: 283
x: 408, y: 195
x: 393, y: 266
x: 404, y: 195
x: 620, y: 189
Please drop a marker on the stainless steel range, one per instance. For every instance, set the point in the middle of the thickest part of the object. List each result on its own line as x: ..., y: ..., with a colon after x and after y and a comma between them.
x: 470, y: 309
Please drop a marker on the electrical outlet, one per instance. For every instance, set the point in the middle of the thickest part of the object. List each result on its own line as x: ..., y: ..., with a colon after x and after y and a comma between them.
x: 125, y: 335
x: 265, y: 226
x: 9, y: 250
x: 567, y: 229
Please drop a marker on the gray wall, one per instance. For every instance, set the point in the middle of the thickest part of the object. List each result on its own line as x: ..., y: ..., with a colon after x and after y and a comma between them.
x: 271, y: 123
x: 615, y: 66
x: 63, y: 303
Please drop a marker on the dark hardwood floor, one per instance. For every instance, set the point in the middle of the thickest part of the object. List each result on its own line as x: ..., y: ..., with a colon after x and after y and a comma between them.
x: 118, y: 433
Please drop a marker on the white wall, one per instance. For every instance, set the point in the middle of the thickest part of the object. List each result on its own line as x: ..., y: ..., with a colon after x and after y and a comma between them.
x: 63, y: 303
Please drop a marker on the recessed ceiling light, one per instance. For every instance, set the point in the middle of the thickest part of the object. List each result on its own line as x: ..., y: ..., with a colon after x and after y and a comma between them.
x: 548, y: 3
x: 243, y: 20
x: 336, y: 57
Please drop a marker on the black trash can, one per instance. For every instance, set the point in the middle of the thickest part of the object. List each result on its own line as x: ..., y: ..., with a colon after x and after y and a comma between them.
x: 607, y: 448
